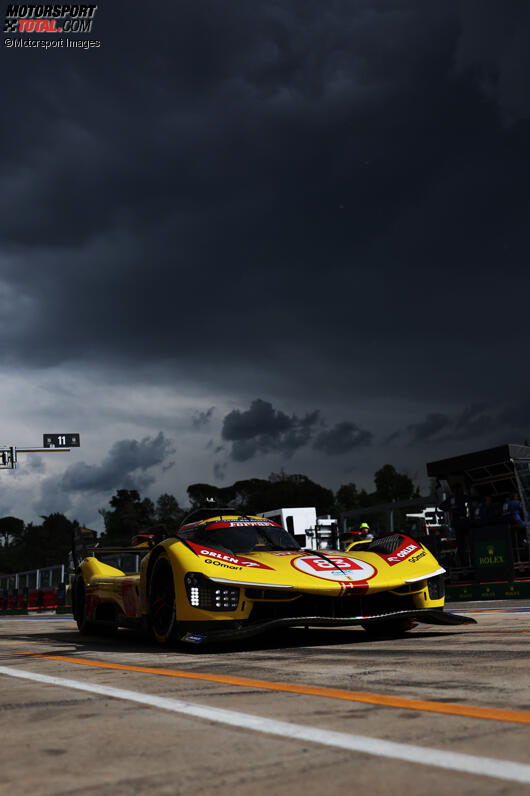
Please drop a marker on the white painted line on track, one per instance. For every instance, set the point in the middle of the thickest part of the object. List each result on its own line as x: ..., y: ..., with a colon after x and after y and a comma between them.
x: 454, y: 761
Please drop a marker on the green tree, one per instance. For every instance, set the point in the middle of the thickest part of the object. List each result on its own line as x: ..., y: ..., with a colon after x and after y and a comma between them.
x: 43, y: 545
x: 168, y: 511
x: 11, y: 530
x: 347, y: 497
x: 367, y: 499
x: 256, y: 494
x: 57, y: 531
x: 298, y: 490
x: 199, y: 494
x: 11, y: 533
x: 128, y: 516
x: 392, y: 486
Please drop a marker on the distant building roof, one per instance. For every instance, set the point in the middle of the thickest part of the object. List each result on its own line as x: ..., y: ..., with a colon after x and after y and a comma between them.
x: 502, y: 454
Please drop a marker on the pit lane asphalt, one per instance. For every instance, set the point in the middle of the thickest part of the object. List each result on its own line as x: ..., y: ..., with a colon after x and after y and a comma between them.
x: 59, y: 740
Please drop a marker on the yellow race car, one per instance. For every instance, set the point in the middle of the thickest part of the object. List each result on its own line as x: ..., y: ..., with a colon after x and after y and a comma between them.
x: 224, y: 575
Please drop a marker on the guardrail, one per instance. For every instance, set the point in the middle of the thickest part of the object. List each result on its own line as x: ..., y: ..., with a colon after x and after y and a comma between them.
x: 35, y: 590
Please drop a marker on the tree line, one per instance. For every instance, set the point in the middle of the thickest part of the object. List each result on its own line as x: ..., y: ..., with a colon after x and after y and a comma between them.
x: 30, y: 546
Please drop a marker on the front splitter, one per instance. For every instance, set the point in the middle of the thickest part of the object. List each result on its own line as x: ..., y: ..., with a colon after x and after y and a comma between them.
x: 430, y: 616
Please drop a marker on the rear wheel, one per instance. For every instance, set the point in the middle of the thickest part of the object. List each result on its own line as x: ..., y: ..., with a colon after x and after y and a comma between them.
x: 162, y: 602
x: 79, y: 607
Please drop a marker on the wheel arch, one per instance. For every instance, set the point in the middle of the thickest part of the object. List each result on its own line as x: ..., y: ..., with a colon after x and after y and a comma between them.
x: 153, y: 558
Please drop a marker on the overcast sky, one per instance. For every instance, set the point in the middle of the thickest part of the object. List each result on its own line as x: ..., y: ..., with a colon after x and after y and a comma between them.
x: 239, y: 237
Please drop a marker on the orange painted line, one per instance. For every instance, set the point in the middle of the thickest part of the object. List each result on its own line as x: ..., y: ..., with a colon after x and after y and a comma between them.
x: 493, y: 714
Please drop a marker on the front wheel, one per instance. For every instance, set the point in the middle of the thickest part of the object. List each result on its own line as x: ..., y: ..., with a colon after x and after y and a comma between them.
x: 162, y: 602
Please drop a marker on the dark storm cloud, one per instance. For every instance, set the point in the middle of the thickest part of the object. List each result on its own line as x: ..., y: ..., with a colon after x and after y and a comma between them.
x: 202, y: 419
x: 517, y: 416
x: 428, y: 428
x: 474, y: 422
x: 342, y: 438
x: 508, y: 424
x: 438, y: 427
x: 493, y: 424
x: 35, y: 464
x: 130, y: 464
x: 392, y: 438
x: 219, y: 470
x: 260, y: 419
x: 315, y: 194
x: 262, y: 429
x: 496, y: 51
x: 126, y: 466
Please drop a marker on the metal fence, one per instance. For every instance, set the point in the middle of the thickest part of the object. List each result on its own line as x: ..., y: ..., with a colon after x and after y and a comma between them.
x: 44, y: 578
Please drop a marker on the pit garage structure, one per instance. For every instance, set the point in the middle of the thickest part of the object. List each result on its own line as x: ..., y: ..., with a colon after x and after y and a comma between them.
x: 383, y: 517
x: 488, y: 483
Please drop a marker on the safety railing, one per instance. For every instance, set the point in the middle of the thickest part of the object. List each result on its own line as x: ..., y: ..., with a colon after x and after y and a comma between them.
x: 33, y: 590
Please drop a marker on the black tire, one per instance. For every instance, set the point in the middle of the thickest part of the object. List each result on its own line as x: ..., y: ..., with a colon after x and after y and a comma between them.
x: 162, y: 602
x: 389, y: 628
x: 79, y: 608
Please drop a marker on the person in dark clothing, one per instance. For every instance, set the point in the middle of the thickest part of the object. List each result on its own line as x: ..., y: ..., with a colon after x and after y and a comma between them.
x: 513, y: 511
x: 513, y: 508
x: 484, y: 512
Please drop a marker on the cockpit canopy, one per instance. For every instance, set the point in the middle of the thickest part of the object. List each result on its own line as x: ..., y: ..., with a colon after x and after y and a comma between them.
x: 245, y: 535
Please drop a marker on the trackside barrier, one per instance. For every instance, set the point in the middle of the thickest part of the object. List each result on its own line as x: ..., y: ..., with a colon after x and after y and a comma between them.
x: 36, y: 590
x: 501, y: 590
x: 23, y: 602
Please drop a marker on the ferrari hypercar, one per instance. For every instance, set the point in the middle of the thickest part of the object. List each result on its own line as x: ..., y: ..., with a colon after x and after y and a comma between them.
x: 224, y: 576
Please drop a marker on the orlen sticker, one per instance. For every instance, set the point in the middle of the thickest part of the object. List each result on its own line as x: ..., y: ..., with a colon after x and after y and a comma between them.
x: 336, y: 568
x: 240, y: 561
x: 406, y: 549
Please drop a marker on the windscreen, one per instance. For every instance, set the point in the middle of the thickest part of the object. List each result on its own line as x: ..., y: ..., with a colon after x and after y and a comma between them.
x: 241, y: 537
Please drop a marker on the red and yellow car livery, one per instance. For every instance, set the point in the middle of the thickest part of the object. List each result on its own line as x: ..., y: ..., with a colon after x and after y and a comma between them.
x: 227, y: 575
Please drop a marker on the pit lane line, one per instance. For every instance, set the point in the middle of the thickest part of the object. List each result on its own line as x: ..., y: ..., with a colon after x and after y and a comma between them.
x: 440, y: 758
x: 447, y: 708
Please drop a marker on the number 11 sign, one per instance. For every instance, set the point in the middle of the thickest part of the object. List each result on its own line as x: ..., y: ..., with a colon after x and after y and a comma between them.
x: 60, y: 441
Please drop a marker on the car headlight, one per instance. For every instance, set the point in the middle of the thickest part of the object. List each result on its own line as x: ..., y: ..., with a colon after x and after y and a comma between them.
x: 211, y: 596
